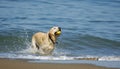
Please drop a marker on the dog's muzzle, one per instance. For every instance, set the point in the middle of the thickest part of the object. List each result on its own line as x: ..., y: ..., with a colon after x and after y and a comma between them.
x: 58, y: 32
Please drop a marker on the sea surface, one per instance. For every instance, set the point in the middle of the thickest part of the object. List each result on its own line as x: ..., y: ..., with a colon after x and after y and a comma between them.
x: 90, y: 30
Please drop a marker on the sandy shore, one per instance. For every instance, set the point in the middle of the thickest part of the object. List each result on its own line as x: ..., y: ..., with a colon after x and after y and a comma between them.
x: 20, y: 64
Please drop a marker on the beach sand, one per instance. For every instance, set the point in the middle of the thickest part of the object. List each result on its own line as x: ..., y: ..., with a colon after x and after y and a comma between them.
x: 21, y: 64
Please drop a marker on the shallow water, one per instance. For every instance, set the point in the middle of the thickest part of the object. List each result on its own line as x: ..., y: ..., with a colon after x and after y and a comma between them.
x: 90, y: 28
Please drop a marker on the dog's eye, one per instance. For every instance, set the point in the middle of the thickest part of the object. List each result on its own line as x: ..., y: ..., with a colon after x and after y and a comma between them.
x: 54, y: 28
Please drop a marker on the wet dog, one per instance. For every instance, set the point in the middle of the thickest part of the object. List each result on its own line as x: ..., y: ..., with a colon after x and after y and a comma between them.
x: 44, y: 43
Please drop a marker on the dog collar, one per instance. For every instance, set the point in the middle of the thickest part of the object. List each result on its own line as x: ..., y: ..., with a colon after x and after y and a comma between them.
x: 51, y: 40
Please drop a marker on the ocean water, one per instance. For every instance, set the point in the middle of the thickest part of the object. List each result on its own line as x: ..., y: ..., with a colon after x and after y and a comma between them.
x: 90, y: 30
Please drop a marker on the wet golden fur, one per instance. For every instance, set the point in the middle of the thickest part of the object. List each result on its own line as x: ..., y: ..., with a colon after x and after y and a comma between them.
x: 44, y: 43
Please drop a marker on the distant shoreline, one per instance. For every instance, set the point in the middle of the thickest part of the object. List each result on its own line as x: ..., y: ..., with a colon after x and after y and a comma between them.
x: 21, y: 64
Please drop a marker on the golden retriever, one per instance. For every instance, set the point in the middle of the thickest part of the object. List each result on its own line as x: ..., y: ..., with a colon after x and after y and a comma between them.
x: 44, y: 43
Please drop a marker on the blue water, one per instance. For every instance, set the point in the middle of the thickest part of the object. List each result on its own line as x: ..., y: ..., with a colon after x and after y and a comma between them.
x: 90, y: 28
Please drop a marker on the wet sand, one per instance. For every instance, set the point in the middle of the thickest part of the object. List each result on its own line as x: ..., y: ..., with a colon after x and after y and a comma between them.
x: 21, y: 64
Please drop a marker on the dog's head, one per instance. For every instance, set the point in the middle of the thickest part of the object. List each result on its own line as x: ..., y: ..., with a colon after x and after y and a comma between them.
x: 54, y: 33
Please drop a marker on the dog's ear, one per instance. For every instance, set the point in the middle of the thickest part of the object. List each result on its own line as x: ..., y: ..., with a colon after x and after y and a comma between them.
x: 52, y: 37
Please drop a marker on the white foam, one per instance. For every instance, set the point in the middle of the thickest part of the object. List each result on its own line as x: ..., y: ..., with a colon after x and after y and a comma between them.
x: 109, y: 58
x: 38, y: 57
x: 29, y: 56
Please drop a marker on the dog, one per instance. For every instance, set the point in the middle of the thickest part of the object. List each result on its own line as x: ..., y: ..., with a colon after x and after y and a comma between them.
x: 44, y: 43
